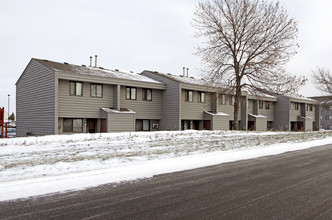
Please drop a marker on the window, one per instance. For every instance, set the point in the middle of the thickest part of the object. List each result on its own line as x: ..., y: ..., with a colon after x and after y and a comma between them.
x: 326, y: 117
x: 146, y: 125
x: 232, y: 101
x: 201, y: 97
x: 72, y: 125
x: 310, y: 108
x: 261, y: 104
x: 267, y: 105
x: 189, y: 95
x: 131, y: 93
x: 222, y: 99
x: 76, y: 88
x: 296, y: 106
x: 147, y: 94
x: 96, y: 90
x: 142, y: 125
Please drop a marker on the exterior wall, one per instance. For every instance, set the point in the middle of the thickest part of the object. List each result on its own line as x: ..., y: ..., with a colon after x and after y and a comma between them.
x: 171, y: 110
x: 326, y: 114
x: 261, y: 124
x: 144, y: 109
x: 194, y: 110
x: 295, y: 113
x: 269, y: 113
x: 218, y: 122
x: 228, y: 109
x: 282, y: 114
x: 35, y: 101
x: 121, y: 122
x: 252, y: 108
x: 84, y: 106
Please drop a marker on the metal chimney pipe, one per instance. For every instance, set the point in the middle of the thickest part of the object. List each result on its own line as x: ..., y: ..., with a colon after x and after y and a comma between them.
x: 187, y: 72
x: 95, y: 60
x: 90, y: 61
x: 184, y: 71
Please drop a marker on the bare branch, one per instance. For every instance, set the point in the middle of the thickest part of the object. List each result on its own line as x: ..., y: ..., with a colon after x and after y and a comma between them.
x: 246, y: 43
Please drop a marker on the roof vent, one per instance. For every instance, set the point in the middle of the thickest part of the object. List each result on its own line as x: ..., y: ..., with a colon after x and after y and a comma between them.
x: 46, y: 60
x: 169, y: 74
x: 65, y: 63
x: 96, y: 60
x: 83, y: 65
x: 116, y: 70
x: 181, y: 75
x: 155, y: 71
x: 131, y: 71
x: 192, y: 77
x: 101, y: 67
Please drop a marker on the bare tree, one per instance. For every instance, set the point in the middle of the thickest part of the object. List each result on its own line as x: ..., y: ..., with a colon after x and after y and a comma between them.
x: 247, y: 43
x: 323, y: 80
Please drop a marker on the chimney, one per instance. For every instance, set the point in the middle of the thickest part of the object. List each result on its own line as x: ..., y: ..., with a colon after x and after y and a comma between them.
x: 95, y: 60
x: 187, y: 72
x: 184, y: 71
x: 90, y: 61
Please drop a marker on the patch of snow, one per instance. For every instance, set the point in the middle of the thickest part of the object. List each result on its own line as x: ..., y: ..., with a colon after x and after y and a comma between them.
x: 39, y: 165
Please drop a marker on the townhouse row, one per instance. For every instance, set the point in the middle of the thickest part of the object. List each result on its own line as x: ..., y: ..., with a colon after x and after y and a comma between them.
x: 58, y: 98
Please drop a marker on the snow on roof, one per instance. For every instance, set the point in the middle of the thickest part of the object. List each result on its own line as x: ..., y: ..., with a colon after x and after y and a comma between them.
x: 186, y: 79
x: 95, y: 71
x: 109, y: 110
x: 217, y: 113
x: 299, y: 97
x: 262, y: 95
x: 257, y: 116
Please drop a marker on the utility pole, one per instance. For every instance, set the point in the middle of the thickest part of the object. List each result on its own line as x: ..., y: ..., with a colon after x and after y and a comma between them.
x: 8, y: 107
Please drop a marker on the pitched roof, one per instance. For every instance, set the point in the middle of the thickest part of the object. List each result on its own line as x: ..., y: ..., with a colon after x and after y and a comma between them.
x: 184, y: 79
x: 94, y: 71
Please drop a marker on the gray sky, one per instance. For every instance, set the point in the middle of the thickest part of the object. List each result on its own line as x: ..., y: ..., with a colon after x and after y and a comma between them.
x: 133, y: 35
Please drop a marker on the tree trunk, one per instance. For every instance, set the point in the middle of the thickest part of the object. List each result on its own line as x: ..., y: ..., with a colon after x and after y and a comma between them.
x: 237, y: 104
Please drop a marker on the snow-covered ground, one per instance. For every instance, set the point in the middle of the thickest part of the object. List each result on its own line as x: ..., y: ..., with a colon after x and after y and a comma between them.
x: 39, y: 165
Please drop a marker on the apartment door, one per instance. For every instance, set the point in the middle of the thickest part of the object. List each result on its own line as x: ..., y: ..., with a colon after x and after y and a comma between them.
x: 103, y: 125
x: 196, y: 125
x: 207, y: 125
x: 300, y: 126
x: 92, y: 125
x: 251, y: 125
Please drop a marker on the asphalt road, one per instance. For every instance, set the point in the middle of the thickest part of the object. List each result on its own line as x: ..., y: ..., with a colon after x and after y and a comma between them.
x: 295, y: 185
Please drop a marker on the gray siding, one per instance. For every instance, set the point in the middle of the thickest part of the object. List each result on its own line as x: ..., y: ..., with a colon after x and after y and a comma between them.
x: 295, y: 113
x: 121, y: 122
x: 218, y: 122
x: 35, y: 101
x: 171, y: 103
x: 252, y: 106
x: 282, y: 114
x: 144, y: 109
x: 194, y: 110
x: 229, y: 109
x: 84, y: 106
x: 269, y: 113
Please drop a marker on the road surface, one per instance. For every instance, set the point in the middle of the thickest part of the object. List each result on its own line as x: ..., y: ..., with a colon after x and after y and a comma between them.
x: 295, y: 185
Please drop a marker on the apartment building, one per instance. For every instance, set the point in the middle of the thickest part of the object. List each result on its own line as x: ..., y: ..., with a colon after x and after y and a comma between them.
x: 325, y: 111
x: 294, y: 113
x: 55, y: 98
x: 261, y: 109
x: 61, y: 98
x: 190, y: 103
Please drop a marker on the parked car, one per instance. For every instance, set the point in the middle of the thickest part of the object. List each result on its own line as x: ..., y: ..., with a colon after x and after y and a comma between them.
x: 11, y: 132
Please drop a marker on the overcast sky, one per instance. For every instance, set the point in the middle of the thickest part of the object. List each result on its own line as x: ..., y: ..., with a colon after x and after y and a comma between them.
x: 133, y: 35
